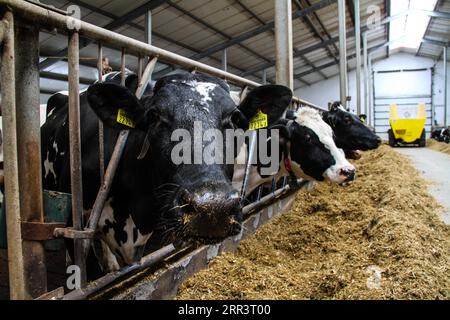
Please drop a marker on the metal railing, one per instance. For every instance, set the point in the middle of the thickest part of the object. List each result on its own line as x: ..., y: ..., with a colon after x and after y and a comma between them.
x: 21, y: 264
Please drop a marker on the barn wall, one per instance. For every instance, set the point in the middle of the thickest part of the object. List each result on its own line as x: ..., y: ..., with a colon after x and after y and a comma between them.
x: 327, y: 91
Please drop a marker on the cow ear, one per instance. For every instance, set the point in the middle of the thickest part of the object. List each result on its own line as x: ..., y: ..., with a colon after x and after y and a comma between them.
x: 272, y: 100
x: 117, y: 106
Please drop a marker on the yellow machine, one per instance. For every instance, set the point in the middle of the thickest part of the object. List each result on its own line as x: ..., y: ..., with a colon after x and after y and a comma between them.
x: 407, y: 129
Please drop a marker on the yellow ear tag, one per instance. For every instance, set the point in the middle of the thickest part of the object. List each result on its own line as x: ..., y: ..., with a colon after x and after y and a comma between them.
x: 122, y: 118
x: 259, y: 121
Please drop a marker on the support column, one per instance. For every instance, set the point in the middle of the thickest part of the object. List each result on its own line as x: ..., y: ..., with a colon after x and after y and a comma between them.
x: 342, y: 53
x: 358, y: 56
x: 366, y: 76
x: 283, y: 43
x: 29, y: 152
x: 445, y: 86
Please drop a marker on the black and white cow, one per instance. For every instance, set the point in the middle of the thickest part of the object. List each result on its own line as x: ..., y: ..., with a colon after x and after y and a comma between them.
x: 191, y: 202
x: 307, y: 150
x: 441, y: 135
x: 350, y: 133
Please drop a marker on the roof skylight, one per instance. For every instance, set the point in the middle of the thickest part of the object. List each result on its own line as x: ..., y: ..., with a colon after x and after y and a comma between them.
x: 411, y: 28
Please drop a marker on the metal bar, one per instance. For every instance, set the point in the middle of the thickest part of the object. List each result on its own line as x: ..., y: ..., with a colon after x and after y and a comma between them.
x: 122, y: 67
x: 29, y: 152
x: 358, y: 55
x: 264, y: 76
x: 445, y: 85
x: 10, y: 163
x: 366, y: 86
x: 371, y: 115
x: 342, y: 53
x: 106, y: 280
x: 145, y: 77
x: 75, y: 151
x: 224, y: 60
x: 148, y: 27
x: 433, y: 107
x: 283, y: 43
x: 387, y: 7
x: 101, y: 131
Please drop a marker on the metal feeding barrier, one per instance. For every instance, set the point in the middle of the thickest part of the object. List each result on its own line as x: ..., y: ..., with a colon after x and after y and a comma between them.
x: 19, y: 36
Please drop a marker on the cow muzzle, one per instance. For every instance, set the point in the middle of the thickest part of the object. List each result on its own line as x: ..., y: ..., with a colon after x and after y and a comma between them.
x: 210, y: 215
x: 342, y: 175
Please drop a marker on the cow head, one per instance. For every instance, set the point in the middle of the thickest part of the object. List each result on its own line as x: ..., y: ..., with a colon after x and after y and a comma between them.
x: 350, y: 133
x: 197, y: 199
x: 313, y: 153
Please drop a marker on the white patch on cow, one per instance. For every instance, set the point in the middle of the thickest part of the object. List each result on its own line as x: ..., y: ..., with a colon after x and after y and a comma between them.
x: 204, y: 89
x: 55, y: 146
x: 129, y: 247
x: 236, y: 97
x: 311, y: 119
x: 48, y: 166
x: 51, y: 112
x: 108, y: 260
x: 108, y: 216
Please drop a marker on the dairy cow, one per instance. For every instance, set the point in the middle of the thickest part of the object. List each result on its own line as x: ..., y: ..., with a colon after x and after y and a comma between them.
x: 350, y: 133
x: 441, y: 135
x: 307, y: 150
x: 185, y: 202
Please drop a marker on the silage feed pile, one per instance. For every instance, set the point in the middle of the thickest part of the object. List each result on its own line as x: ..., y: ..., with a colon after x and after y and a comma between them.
x: 438, y: 146
x: 380, y: 238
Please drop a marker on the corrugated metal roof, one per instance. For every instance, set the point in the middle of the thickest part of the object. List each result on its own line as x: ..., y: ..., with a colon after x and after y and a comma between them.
x: 438, y: 30
x: 189, y: 27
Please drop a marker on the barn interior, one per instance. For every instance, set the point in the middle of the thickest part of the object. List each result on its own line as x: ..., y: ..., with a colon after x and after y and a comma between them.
x: 384, y: 61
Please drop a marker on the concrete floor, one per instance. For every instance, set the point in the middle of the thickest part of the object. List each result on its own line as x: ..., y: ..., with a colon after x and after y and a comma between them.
x: 434, y: 167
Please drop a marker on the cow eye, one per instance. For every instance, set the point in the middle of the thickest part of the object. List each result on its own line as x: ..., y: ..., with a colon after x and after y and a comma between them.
x: 348, y: 120
x: 307, y: 138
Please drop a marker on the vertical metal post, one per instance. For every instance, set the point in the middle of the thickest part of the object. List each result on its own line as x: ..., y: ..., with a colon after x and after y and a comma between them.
x: 224, y: 60
x: 29, y: 152
x: 445, y: 86
x: 370, y: 111
x: 358, y: 56
x: 366, y: 75
x: 10, y: 164
x: 342, y: 53
x: 148, y: 31
x: 283, y: 43
x: 75, y: 149
x: 122, y: 67
x: 101, y: 138
x: 148, y: 27
x: 432, y: 98
x: 264, y: 76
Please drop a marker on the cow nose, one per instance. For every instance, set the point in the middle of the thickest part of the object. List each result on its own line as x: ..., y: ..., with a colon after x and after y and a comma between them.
x: 349, y: 173
x: 213, y: 215
x: 379, y: 141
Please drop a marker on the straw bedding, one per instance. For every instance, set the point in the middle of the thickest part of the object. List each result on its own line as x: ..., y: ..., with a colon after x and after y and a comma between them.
x: 438, y: 146
x: 380, y: 238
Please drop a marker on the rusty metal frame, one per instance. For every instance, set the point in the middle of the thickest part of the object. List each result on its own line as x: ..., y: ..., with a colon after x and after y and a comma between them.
x: 43, y: 17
